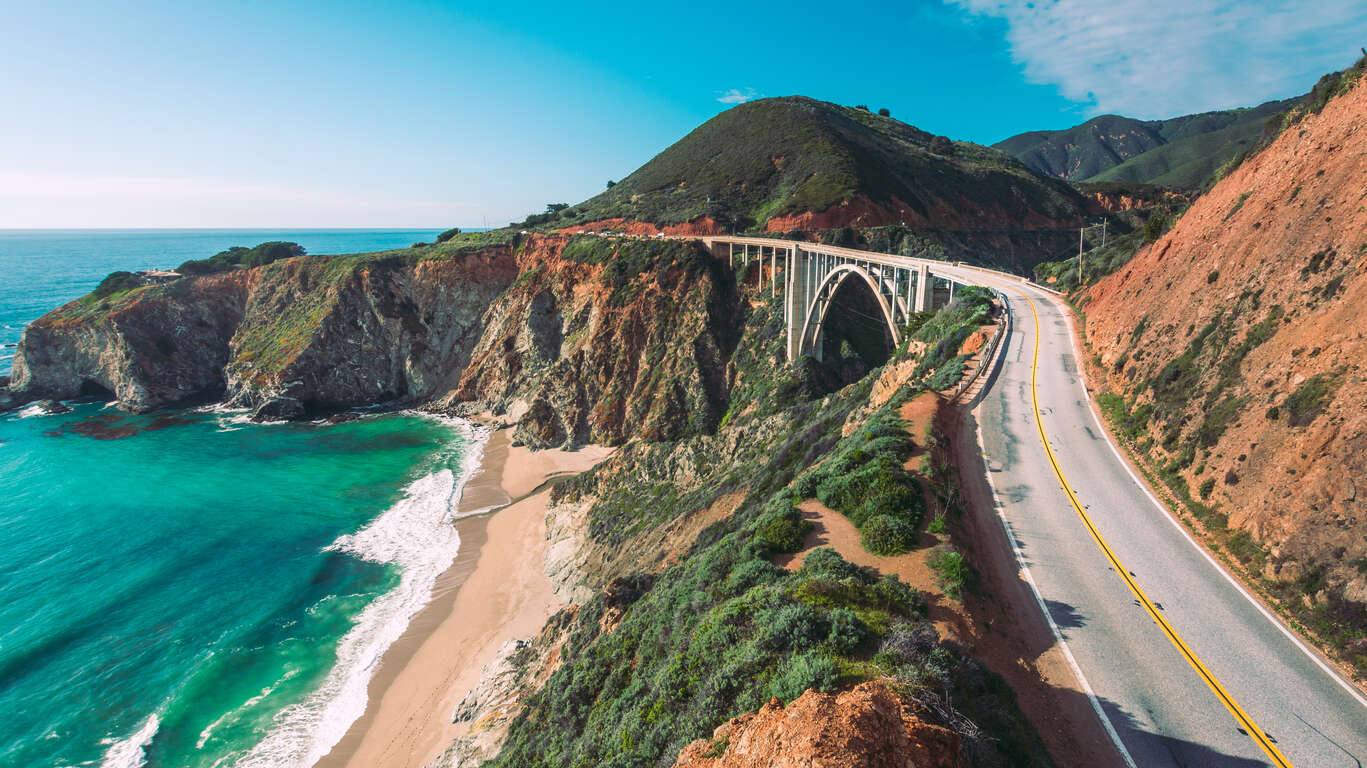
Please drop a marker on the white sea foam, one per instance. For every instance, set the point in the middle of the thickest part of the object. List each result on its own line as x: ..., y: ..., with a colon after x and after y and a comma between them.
x: 248, y: 704
x: 417, y: 536
x: 132, y: 751
x: 29, y: 411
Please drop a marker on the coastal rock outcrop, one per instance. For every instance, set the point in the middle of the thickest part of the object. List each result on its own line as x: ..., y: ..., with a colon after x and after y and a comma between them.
x: 575, y: 339
x: 865, y: 727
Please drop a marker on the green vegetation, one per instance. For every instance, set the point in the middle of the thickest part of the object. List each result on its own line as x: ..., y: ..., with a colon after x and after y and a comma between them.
x: 773, y: 157
x: 864, y: 480
x: 1180, y: 152
x: 723, y: 629
x: 448, y: 234
x: 238, y: 256
x: 1101, y: 261
x: 113, y: 284
x: 952, y: 572
x: 944, y: 332
x: 1303, y: 405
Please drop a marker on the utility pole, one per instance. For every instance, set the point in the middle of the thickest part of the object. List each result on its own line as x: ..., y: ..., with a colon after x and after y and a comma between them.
x: 1104, y: 222
x: 1079, y: 254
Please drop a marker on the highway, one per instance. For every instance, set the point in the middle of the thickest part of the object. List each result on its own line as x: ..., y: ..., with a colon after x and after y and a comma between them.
x: 1180, y: 663
x: 1184, y: 666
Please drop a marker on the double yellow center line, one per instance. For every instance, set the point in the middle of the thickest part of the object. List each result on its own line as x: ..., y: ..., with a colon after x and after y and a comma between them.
x: 1245, y: 722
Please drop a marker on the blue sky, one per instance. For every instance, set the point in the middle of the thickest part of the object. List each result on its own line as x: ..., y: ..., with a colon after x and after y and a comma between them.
x: 328, y: 114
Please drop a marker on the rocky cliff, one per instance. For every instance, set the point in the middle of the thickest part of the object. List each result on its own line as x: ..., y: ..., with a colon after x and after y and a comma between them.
x: 866, y: 727
x: 1236, y: 346
x: 577, y: 339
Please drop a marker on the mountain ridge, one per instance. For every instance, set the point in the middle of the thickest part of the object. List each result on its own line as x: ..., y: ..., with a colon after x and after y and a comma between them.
x: 1181, y: 151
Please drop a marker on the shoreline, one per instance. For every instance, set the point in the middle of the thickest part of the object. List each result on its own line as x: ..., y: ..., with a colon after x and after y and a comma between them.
x: 495, y: 590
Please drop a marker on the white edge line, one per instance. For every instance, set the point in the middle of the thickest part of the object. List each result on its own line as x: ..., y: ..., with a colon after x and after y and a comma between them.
x: 1186, y: 534
x: 1034, y: 589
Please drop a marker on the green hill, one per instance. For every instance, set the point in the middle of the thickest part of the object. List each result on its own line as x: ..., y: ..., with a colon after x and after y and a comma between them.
x: 1180, y: 152
x: 794, y: 155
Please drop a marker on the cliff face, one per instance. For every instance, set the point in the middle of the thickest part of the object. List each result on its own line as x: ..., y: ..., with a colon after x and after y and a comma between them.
x: 599, y: 340
x: 150, y: 348
x: 323, y: 332
x: 1238, y: 342
x: 578, y: 339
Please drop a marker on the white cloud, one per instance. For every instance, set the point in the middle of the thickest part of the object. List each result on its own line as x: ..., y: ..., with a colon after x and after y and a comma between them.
x: 1163, y: 58
x: 737, y: 96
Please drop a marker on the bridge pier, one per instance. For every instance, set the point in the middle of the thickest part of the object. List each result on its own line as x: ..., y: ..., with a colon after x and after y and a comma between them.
x: 923, y: 288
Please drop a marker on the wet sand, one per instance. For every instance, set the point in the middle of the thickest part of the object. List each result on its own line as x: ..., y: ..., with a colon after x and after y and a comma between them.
x: 495, y: 591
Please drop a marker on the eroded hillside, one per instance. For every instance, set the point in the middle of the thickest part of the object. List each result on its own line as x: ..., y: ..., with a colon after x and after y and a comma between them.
x: 1236, y: 346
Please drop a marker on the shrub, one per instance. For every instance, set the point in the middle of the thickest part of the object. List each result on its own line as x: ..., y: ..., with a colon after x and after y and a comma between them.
x: 884, y: 112
x: 952, y: 572
x: 1155, y: 226
x: 804, y: 671
x: 1213, y: 276
x: 847, y: 632
x: 941, y: 145
x: 1207, y: 486
x: 794, y: 626
x: 115, y: 283
x: 826, y: 562
x: 237, y: 256
x: 448, y: 234
x: 1307, y: 401
x: 887, y: 535
x: 782, y: 529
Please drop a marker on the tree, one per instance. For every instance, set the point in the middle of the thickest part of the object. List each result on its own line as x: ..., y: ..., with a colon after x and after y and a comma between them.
x: 556, y: 207
x: 448, y: 234
x: 941, y: 145
x: 884, y: 112
x: 611, y: 183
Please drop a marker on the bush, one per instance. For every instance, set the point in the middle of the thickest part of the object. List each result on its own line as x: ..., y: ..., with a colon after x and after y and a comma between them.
x: 1155, y: 226
x: 847, y: 632
x: 794, y: 626
x: 114, y: 283
x: 884, y: 112
x: 887, y: 535
x: 804, y: 671
x: 1207, y: 486
x: 237, y: 256
x: 448, y: 234
x: 782, y: 529
x: 952, y: 572
x: 1307, y: 401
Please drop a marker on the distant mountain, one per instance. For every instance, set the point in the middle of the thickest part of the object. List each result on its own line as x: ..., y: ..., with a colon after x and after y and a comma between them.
x: 796, y: 163
x: 1180, y: 152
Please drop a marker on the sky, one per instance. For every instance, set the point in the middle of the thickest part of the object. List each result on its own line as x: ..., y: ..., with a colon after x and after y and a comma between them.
x: 430, y: 114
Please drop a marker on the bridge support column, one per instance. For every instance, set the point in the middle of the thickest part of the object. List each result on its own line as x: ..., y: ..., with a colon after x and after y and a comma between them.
x: 796, y: 287
x: 923, y: 284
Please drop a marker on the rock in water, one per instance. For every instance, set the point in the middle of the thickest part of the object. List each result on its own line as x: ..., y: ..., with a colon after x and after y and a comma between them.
x: 53, y: 406
x: 279, y: 409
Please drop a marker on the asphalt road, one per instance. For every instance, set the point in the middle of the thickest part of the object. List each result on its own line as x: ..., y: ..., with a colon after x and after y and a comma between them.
x: 1188, y: 691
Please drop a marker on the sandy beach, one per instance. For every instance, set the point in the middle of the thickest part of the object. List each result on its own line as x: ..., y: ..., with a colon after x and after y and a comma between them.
x: 495, y: 591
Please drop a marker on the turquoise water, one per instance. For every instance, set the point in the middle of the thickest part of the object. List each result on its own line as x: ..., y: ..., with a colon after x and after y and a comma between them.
x: 41, y: 269
x: 188, y: 589
x: 170, y: 584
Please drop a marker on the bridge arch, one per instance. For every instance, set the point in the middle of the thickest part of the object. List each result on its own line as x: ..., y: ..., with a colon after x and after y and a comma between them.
x: 814, y: 322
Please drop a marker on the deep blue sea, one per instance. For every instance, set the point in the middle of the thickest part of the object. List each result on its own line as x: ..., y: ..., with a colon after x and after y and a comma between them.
x: 185, y: 588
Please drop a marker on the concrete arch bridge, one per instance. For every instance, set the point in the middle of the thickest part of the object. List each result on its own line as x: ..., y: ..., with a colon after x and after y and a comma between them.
x: 811, y: 276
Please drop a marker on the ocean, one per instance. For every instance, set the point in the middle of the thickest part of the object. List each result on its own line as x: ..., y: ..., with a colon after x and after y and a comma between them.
x: 186, y: 588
